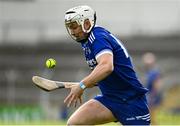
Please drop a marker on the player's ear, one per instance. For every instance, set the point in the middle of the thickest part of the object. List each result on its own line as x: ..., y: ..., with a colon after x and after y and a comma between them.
x: 87, y: 24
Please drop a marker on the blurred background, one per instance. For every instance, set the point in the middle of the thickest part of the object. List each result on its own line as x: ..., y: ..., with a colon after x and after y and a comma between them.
x: 32, y: 31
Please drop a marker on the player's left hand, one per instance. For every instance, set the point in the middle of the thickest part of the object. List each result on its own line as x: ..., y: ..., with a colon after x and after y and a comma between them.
x: 74, y: 96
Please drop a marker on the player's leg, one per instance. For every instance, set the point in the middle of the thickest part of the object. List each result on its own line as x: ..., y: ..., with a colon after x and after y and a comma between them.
x: 91, y: 113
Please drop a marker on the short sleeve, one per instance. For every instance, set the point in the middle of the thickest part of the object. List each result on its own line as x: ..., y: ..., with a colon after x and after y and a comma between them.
x: 101, y: 46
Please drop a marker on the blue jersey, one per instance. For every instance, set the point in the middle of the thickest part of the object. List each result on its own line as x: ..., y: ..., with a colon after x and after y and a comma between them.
x: 152, y: 76
x: 122, y: 84
x: 154, y: 96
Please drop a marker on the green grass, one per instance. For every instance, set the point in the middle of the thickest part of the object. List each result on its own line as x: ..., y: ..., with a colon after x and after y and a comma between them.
x: 47, y: 123
x: 163, y: 118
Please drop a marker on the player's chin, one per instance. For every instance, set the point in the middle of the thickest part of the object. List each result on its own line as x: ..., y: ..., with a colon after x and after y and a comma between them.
x: 81, y: 40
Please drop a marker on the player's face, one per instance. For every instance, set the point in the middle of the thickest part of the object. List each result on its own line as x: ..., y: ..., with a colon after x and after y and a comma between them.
x: 75, y: 30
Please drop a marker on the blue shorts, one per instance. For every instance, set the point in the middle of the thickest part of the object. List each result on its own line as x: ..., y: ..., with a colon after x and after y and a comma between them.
x: 132, y: 112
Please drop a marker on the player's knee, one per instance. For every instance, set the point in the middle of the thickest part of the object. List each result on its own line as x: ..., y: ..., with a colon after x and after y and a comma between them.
x: 71, y: 122
x: 75, y: 121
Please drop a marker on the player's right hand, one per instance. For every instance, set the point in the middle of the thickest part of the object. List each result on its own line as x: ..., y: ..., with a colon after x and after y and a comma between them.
x: 74, y: 96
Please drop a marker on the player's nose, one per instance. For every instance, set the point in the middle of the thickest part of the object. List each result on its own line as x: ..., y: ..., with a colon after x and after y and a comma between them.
x: 72, y: 31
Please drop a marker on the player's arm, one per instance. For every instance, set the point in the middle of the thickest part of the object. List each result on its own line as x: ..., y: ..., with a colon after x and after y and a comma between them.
x: 157, y: 84
x: 103, y: 69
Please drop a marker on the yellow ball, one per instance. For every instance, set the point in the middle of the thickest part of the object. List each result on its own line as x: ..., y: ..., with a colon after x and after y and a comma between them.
x: 50, y: 63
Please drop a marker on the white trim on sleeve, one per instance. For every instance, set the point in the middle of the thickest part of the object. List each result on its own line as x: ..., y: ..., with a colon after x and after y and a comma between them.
x: 103, y: 52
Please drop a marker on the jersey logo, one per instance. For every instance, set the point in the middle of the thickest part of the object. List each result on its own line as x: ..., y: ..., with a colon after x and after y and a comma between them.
x: 86, y: 50
x: 91, y: 61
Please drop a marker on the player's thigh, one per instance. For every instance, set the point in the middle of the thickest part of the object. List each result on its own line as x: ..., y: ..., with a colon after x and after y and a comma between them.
x: 91, y: 113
